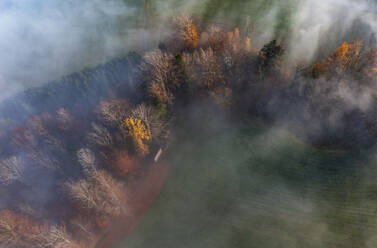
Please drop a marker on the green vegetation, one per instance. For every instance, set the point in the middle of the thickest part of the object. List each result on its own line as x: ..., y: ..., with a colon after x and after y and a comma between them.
x: 251, y: 144
x: 255, y: 186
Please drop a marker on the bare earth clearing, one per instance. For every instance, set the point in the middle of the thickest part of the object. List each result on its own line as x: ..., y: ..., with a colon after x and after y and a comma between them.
x: 139, y: 195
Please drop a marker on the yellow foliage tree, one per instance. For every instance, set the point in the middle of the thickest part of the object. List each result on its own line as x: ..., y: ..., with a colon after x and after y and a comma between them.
x: 139, y: 133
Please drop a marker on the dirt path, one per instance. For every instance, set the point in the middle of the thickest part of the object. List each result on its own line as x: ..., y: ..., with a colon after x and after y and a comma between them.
x: 139, y: 196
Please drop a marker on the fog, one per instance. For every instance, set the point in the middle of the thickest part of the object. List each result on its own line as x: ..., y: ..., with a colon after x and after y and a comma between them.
x: 249, y: 185
x: 325, y: 24
x: 247, y: 180
x: 44, y: 40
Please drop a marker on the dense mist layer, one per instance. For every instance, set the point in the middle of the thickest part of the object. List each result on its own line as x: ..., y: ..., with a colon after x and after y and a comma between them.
x: 42, y: 41
x: 260, y: 116
x: 251, y: 185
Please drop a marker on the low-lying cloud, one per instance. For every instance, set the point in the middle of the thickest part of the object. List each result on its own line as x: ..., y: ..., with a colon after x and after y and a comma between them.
x: 43, y: 40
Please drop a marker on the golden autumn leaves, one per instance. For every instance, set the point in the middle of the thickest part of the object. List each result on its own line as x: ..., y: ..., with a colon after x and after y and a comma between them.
x: 187, y: 33
x: 139, y: 134
x: 203, y: 59
x: 188, y: 37
x: 349, y: 57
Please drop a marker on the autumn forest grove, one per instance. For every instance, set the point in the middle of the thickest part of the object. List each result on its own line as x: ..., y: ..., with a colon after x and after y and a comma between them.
x: 76, y: 153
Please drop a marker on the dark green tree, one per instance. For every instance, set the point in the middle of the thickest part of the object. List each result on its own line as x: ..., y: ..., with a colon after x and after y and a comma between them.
x: 269, y: 57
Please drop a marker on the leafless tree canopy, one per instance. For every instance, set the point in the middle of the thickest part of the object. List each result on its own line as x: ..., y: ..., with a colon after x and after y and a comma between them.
x: 112, y: 112
x: 18, y: 231
x: 100, y: 136
x: 156, y: 69
x: 151, y: 119
x: 87, y: 160
x: 100, y: 193
x: 12, y: 169
x: 64, y: 119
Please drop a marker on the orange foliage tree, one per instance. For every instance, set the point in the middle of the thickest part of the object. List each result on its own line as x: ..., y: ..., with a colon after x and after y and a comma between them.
x: 344, y: 58
x: 123, y: 163
x: 187, y: 32
x: 19, y: 231
x: 236, y: 43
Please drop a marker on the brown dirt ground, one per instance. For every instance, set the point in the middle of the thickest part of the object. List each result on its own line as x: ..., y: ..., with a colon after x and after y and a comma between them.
x: 139, y: 197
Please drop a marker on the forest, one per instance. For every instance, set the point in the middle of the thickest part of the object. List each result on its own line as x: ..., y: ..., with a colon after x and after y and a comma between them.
x: 77, y: 153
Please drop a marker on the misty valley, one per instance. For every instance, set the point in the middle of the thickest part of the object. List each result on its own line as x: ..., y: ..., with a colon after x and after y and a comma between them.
x: 213, y: 123
x: 250, y: 185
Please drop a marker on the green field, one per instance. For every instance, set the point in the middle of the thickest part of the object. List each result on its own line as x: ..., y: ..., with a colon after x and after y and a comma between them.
x: 252, y: 186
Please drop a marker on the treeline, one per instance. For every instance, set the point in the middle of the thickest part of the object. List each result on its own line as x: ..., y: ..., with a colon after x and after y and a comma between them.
x: 64, y: 173
x: 78, y: 89
x: 68, y: 149
x: 329, y: 103
x: 81, y: 141
x: 334, y: 100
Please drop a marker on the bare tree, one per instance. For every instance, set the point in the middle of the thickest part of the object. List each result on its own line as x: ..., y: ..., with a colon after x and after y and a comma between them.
x: 38, y: 125
x: 51, y: 237
x: 19, y: 231
x: 112, y: 191
x: 204, y: 68
x: 186, y: 34
x: 217, y: 38
x: 56, y: 237
x: 27, y: 210
x: 100, y: 193
x: 156, y: 70
x: 87, y: 160
x: 11, y: 170
x: 150, y: 118
x: 84, y: 227
x: 9, y: 236
x: 112, y: 112
x: 84, y: 194
x: 64, y: 119
x: 43, y: 159
x: 23, y: 138
x: 41, y: 126
x: 100, y: 136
